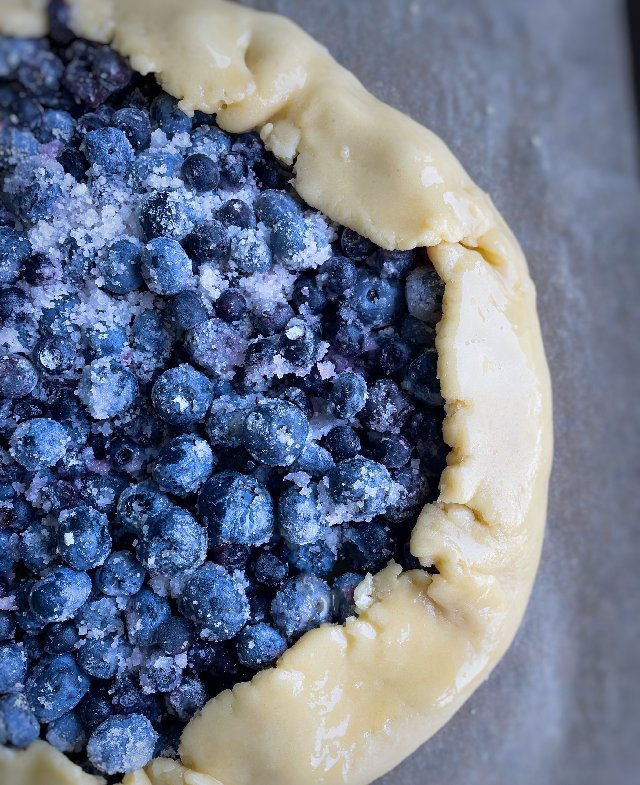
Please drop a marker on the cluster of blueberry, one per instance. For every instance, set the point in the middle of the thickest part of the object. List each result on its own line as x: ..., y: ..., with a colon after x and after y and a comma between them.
x: 218, y: 411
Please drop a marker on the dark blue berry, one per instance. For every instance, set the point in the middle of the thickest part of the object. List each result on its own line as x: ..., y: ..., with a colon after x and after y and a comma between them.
x: 216, y: 602
x: 19, y: 726
x: 138, y: 504
x: 122, y: 744
x: 348, y: 394
x: 377, y: 301
x: 368, y: 547
x: 121, y: 575
x: 392, y: 451
x: 250, y: 254
x: 58, y: 595
x: 13, y: 667
x: 275, y: 432
x: 167, y: 115
x: 299, y: 519
x: 187, y: 309
x: 165, y: 266
x: 84, y: 541
x: 394, y: 357
x: 102, y: 491
x: 182, y: 395
x: 315, y: 460
x: 54, y: 686
x: 14, y: 250
x: 36, y: 190
x: 342, y: 442
x: 158, y: 162
x: 18, y: 377
x: 38, y: 546
x: 102, y: 657
x: 39, y: 443
x: 106, y: 388
x: 120, y: 267
x: 302, y: 603
x: 236, y: 213
x: 269, y: 570
x: 104, y: 340
x: 208, y: 242
x: 135, y: 125
x: 307, y: 294
x: 387, y: 408
x: 233, y: 170
x: 318, y: 558
x: 172, y: 543
x: 355, y: 246
x: 424, y: 291
x: 7, y: 626
x: 108, y: 150
x: 363, y: 483
x: 340, y: 274
x: 165, y: 214
x: 60, y: 638
x: 259, y: 646
x: 187, y: 698
x: 66, y: 734
x: 56, y: 125
x: 231, y: 306
x: 94, y: 73
x: 145, y: 612
x: 93, y: 709
x: 421, y: 378
x: 200, y: 173
x: 175, y: 635
x: 342, y: 595
x: 55, y: 355
x: 183, y: 464
x: 273, y: 321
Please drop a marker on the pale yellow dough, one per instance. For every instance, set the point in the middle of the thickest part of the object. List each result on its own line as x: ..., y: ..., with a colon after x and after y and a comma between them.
x: 347, y: 703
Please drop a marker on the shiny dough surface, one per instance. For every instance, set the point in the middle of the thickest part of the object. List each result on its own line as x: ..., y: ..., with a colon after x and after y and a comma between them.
x: 347, y: 703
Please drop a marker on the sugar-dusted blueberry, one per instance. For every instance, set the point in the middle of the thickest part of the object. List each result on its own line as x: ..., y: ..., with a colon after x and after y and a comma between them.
x: 250, y: 253
x: 73, y: 162
x: 182, y: 395
x: 94, y: 73
x: 35, y: 188
x: 165, y: 214
x: 121, y: 744
x: 108, y: 150
x: 60, y: 638
x: 66, y: 734
x: 121, y: 575
x: 343, y: 442
x: 58, y: 318
x: 237, y: 509
x: 102, y: 491
x: 39, y: 443
x: 269, y: 570
x: 55, y: 354
x: 363, y: 483
x: 165, y: 266
x: 135, y: 125
x: 425, y: 429
x: 307, y: 294
x: 94, y: 708
x: 106, y: 388
x: 54, y: 686
x: 200, y: 173
x: 208, y: 242
x: 225, y: 419
x: 104, y: 340
x: 172, y: 543
x: 187, y: 309
x: 394, y: 357
x: 175, y: 635
x: 7, y: 626
x: 83, y: 535
x: 57, y: 596
x: 235, y: 212
x: 299, y: 519
x: 387, y: 408
x: 102, y: 657
x: 159, y: 673
x: 138, y: 504
x: 14, y: 305
x: 303, y: 602
x: 424, y: 291
x: 217, y: 347
x: 158, y: 162
x: 413, y: 493
x: 314, y: 460
x: 41, y: 73
x: 274, y: 321
x: 18, y: 377
x: 216, y: 602
x: 119, y: 267
x: 355, y: 246
x: 231, y: 306
x: 283, y: 216
x: 275, y: 432
x: 348, y: 394
x: 13, y: 667
x: 394, y: 265
x: 340, y: 274
x: 167, y: 115
x: 233, y: 170
x: 421, y: 378
x: 144, y: 613
x: 183, y: 464
x: 187, y: 698
x: 392, y: 451
x: 318, y: 558
x: 210, y: 140
x: 368, y: 546
x: 56, y: 125
x: 259, y: 646
x: 377, y: 301
x: 342, y: 595
x: 14, y: 250
x: 19, y: 726
x: 415, y: 333
x: 37, y: 547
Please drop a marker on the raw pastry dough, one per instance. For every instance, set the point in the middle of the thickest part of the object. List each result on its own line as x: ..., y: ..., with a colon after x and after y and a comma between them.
x: 347, y: 703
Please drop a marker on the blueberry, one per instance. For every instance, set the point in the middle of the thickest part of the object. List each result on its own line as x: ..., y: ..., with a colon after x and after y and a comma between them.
x: 106, y: 388
x: 346, y: 337
x: 84, y: 541
x: 342, y: 442
x: 14, y: 305
x: 39, y: 443
x: 24, y: 616
x: 164, y: 214
x: 414, y: 490
x: 355, y: 246
x: 66, y: 734
x: 138, y: 504
x: 283, y: 216
x: 60, y: 638
x: 166, y: 114
x: 307, y: 293
x: 315, y: 460
x: 145, y: 612
x: 300, y: 398
x: 37, y: 547
x: 231, y: 306
x: 225, y: 420
x: 102, y: 491
x: 237, y: 509
x: 55, y: 355
x: 122, y: 744
x: 275, y: 432
x: 216, y: 602
x: 57, y: 125
x: 200, y: 173
x: 302, y: 603
x: 16, y: 145
x: 104, y: 340
x: 361, y: 482
x: 377, y: 301
x: 73, y: 162
x: 208, y: 242
x: 119, y: 268
x: 13, y: 667
x: 299, y: 518
x: 416, y: 333
x: 17, y: 376
x: 342, y: 595
x: 426, y: 431
x: 236, y: 213
x: 135, y: 125
x: 274, y: 321
x: 158, y: 162
x: 368, y: 547
x: 98, y: 617
x: 387, y: 408
x: 172, y: 543
x: 159, y: 673
x: 36, y: 189
x: 187, y: 309
x: 150, y: 335
x: 273, y: 207
x: 233, y: 170
x: 19, y: 726
x: 259, y: 646
x: 165, y: 267
x: 121, y: 575
x: 187, y: 698
x: 421, y: 378
x: 340, y: 274
x: 94, y: 73
x: 125, y: 455
x: 348, y: 394
x: 108, y: 150
x: 58, y: 595
x: 217, y: 347
x: 392, y: 451
x: 58, y: 318
x: 317, y: 558
x: 183, y: 464
x: 424, y: 292
x: 7, y: 626
x: 41, y: 74
x: 211, y: 141
x: 55, y: 686
x: 250, y: 253
x: 182, y: 395
x: 14, y: 250
x: 175, y: 635
x: 93, y: 709
x: 269, y: 570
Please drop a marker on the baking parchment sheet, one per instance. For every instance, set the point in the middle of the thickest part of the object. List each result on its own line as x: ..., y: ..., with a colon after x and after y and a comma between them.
x: 535, y: 98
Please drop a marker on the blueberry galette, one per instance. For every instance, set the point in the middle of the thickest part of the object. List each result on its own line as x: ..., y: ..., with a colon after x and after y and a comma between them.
x: 274, y: 410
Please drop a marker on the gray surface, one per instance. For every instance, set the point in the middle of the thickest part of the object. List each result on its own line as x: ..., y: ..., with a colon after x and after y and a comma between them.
x: 534, y: 98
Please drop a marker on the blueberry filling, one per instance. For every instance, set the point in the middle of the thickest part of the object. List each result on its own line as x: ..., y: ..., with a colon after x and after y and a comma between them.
x: 218, y: 410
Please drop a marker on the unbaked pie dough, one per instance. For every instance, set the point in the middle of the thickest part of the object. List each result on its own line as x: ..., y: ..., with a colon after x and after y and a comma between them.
x: 347, y: 703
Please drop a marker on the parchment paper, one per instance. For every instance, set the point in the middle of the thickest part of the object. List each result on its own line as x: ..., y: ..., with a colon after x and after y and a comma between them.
x: 534, y: 96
